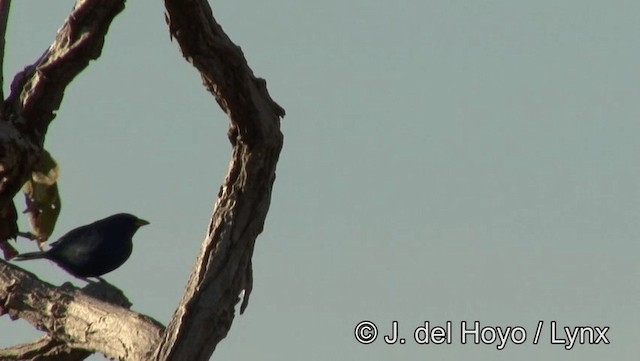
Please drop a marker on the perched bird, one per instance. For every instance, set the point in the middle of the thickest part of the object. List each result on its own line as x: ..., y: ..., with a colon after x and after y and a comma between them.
x: 94, y: 249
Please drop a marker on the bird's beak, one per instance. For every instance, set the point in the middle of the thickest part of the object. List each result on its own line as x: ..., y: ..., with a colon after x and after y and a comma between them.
x: 141, y: 222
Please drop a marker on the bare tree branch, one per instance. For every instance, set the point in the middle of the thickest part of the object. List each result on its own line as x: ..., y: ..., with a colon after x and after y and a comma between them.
x: 43, y: 349
x: 36, y: 93
x: 223, y: 268
x: 5, y: 5
x: 8, y: 214
x: 76, y: 318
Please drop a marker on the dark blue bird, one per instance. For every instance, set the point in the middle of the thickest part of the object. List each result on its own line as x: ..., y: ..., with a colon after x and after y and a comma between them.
x: 94, y: 249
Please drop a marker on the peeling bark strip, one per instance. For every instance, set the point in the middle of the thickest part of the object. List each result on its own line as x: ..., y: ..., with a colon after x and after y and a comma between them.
x: 223, y: 268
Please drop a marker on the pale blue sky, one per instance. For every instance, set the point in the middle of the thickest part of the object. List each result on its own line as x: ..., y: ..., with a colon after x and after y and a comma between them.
x: 443, y: 160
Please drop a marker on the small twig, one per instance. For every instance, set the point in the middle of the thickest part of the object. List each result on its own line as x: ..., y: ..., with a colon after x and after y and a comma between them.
x: 4, y: 16
x: 28, y: 235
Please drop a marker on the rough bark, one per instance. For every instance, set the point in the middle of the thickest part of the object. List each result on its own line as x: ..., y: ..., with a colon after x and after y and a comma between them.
x: 43, y: 349
x: 35, y: 95
x: 5, y: 5
x: 93, y: 319
x: 223, y: 268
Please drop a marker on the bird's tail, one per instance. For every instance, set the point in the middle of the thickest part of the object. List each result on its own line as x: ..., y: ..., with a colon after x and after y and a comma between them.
x: 30, y: 255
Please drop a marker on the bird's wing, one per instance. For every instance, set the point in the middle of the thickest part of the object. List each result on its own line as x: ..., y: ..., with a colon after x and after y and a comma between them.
x: 77, y: 233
